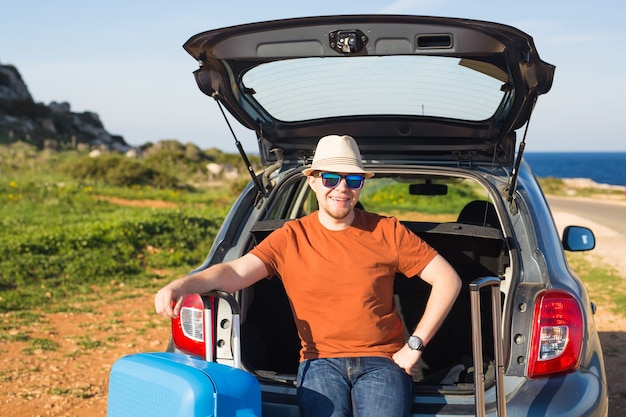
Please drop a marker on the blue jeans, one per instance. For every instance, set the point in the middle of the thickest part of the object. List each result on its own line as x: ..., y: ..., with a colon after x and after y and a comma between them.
x: 359, y: 387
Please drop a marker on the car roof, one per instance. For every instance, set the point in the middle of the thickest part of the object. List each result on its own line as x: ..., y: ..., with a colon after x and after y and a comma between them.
x: 406, y: 87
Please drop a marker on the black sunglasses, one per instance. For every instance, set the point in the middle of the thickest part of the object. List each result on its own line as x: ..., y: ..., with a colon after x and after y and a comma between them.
x: 331, y: 180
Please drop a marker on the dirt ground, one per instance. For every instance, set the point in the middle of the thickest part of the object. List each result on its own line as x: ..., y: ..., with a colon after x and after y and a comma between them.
x: 63, y: 369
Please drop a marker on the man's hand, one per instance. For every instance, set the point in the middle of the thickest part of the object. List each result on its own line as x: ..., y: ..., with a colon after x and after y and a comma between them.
x: 168, y: 302
x: 406, y: 358
x: 229, y: 276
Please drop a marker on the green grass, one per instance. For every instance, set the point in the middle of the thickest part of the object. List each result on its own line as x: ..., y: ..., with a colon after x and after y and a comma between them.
x: 59, y: 391
x: 391, y: 197
x: 605, y: 285
x: 36, y: 343
x: 61, y: 238
x: 87, y: 343
x: 80, y: 392
x: 48, y: 253
x: 556, y: 186
x: 12, y: 321
x: 17, y: 337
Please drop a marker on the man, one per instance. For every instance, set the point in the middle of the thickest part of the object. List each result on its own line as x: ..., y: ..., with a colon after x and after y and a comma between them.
x: 338, y: 266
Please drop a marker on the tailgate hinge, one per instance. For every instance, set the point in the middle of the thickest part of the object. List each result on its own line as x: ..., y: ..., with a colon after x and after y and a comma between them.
x: 464, y: 159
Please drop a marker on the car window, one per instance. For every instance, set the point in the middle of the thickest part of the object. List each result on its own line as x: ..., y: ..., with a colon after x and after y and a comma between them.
x: 431, y: 86
x: 464, y: 200
x: 293, y: 199
x: 418, y: 199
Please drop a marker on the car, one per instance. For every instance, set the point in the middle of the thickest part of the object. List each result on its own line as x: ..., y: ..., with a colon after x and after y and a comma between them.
x: 440, y: 108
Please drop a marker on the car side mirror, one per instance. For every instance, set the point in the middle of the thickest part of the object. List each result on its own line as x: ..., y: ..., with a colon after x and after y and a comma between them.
x: 578, y: 239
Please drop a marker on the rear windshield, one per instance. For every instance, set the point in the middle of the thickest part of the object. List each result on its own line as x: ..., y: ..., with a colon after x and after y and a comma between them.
x: 431, y: 86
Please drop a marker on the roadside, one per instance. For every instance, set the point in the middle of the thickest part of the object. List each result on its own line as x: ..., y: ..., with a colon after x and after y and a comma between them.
x: 57, y: 364
x: 610, y: 250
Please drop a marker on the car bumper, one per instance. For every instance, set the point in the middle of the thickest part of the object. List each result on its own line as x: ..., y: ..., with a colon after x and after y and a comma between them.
x: 582, y: 393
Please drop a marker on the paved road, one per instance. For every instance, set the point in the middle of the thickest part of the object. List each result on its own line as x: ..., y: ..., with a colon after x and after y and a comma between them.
x: 606, y: 213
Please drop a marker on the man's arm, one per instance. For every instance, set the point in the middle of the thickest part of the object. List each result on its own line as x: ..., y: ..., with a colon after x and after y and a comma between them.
x: 446, y: 285
x: 229, y: 276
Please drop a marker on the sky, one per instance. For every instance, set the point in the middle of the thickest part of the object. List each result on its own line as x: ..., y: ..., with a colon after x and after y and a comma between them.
x: 123, y: 59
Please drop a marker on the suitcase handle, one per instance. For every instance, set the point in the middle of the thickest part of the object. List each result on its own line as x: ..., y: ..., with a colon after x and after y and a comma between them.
x: 477, y: 348
x: 236, y: 324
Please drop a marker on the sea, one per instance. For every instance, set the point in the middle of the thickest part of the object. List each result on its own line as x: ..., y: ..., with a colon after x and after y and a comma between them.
x: 601, y: 167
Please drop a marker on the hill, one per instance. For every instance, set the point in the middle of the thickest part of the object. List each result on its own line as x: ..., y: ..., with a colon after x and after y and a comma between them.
x: 51, y: 126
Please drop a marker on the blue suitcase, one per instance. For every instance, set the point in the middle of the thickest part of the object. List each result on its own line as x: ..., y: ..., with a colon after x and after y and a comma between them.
x: 173, y: 384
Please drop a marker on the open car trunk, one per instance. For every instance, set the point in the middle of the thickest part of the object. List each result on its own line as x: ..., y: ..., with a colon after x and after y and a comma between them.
x: 474, y: 245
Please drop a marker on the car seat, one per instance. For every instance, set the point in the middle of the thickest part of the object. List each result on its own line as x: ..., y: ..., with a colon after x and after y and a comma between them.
x: 479, y: 212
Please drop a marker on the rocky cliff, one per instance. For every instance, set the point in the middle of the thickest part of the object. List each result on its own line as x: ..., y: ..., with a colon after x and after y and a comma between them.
x: 48, y: 126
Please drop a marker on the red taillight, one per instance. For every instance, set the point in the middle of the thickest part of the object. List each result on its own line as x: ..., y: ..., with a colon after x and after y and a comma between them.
x: 557, y: 334
x: 189, y: 328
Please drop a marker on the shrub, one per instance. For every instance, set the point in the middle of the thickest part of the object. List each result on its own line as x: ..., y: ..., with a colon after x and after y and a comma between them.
x: 117, y: 170
x: 193, y: 153
x: 551, y: 185
x: 169, y: 145
x: 65, y: 230
x: 122, y: 245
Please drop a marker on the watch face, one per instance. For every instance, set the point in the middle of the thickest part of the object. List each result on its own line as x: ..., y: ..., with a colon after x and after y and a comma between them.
x: 415, y: 343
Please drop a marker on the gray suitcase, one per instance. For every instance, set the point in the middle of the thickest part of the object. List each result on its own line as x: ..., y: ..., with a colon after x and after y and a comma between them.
x: 477, y: 348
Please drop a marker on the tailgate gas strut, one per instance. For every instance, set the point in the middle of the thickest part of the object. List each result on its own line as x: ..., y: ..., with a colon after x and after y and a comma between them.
x: 255, y: 180
x: 518, y: 161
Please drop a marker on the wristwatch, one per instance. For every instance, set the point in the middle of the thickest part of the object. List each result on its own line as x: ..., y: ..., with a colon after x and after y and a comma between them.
x: 415, y: 343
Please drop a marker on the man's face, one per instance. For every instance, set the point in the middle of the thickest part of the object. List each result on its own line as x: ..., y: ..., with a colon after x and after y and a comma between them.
x: 336, y: 200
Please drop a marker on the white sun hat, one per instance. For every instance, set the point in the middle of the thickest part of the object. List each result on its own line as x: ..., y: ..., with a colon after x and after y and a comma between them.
x: 335, y: 153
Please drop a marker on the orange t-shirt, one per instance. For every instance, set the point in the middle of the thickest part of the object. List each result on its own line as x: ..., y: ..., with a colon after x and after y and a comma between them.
x: 340, y: 283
